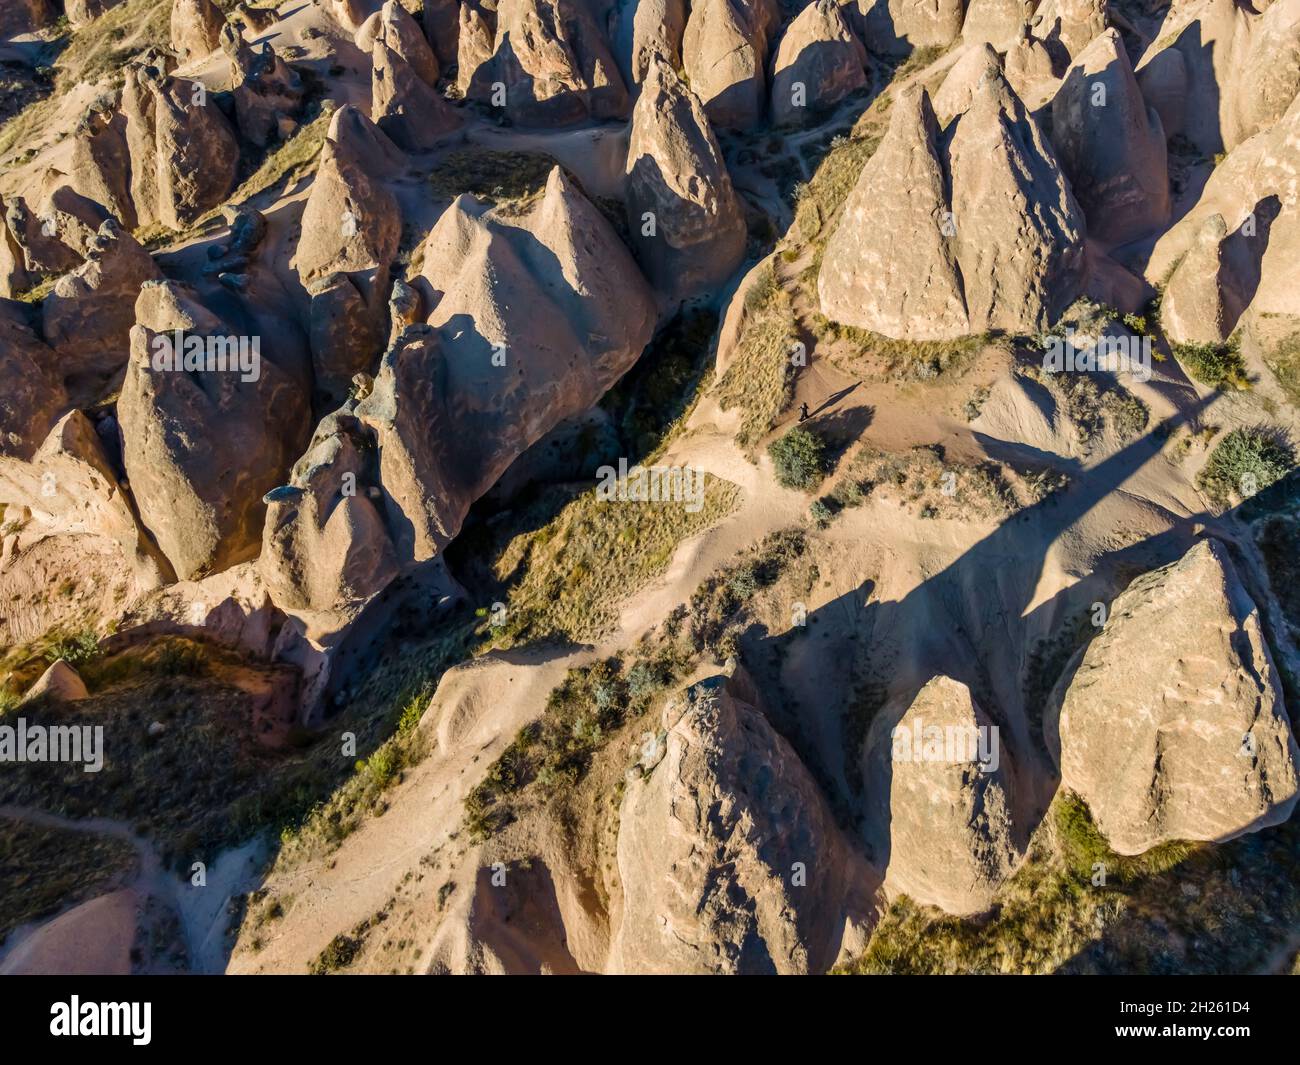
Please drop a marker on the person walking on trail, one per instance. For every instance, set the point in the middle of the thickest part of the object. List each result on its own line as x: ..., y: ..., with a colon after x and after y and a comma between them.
x: 803, y: 412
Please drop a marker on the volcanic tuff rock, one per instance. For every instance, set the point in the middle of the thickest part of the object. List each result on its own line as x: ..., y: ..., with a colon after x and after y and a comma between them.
x: 676, y: 172
x: 1003, y: 250
x: 1218, y: 73
x: 25, y: 16
x: 268, y: 93
x: 195, y: 28
x: 184, y: 156
x: 352, y: 14
x: 201, y: 449
x: 325, y: 550
x: 351, y: 221
x: 478, y: 27
x: 397, y: 29
x: 60, y: 682
x: 554, y: 63
x: 901, y: 26
x: 87, y: 318
x: 33, y: 397
x: 716, y: 834
x: 345, y: 332
x: 533, y: 320
x: 1111, y: 144
x: 1257, y: 191
x: 1202, y: 299
x: 69, y: 488
x: 996, y: 22
x: 442, y: 29
x: 724, y: 52
x: 1028, y: 65
x: 939, y: 823
x: 404, y: 106
x: 962, y: 80
x: 81, y: 12
x: 101, y: 166
x: 821, y: 57
x: 1067, y: 27
x: 1173, y: 725
x: 639, y: 29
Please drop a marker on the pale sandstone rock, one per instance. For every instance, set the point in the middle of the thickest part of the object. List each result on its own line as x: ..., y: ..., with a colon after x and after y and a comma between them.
x: 1111, y: 144
x: 1173, y: 725
x: 554, y: 64
x: 821, y: 57
x: 195, y: 28
x: 202, y: 449
x: 1202, y: 300
x: 724, y: 52
x: 474, y: 42
x: 712, y: 831
x: 676, y: 172
x: 352, y: 14
x: 61, y: 683
x: 999, y: 23
x: 1067, y: 27
x: 82, y: 12
x: 939, y: 821
x: 641, y: 28
x: 962, y: 80
x: 101, y: 165
x: 900, y: 26
x: 405, y: 106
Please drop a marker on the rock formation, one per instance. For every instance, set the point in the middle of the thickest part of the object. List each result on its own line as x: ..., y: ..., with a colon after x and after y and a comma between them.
x: 1203, y: 300
x: 83, y: 12
x: 713, y: 833
x: 195, y: 28
x: 963, y: 80
x: 33, y: 397
x: 939, y: 804
x: 1067, y: 27
x: 641, y: 28
x: 1173, y: 725
x: 405, y: 106
x: 551, y: 61
x: 203, y: 444
x: 101, y: 166
x: 60, y: 683
x: 442, y: 29
x: 25, y: 16
x: 900, y: 26
x: 677, y: 176
x: 268, y: 93
x: 1111, y: 144
x: 993, y: 234
x: 818, y: 62
x: 724, y: 52
x: 352, y: 14
x: 999, y: 23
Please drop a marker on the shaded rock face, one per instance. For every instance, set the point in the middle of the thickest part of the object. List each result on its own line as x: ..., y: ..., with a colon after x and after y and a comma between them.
x: 1027, y: 64
x: 1218, y: 73
x: 1067, y: 27
x: 101, y: 164
x: 999, y: 23
x: 88, y: 316
x: 724, y: 52
x: 1203, y: 299
x: 268, y: 93
x: 405, y: 106
x: 818, y: 62
x: 184, y: 156
x: 25, y: 16
x: 14, y: 278
x: 896, y: 27
x: 33, y: 397
x: 202, y: 447
x: 1256, y: 192
x: 638, y: 29
x: 195, y: 28
x: 550, y: 60
x: 1111, y: 144
x: 677, y: 174
x: 442, y: 29
x: 938, y: 806
x: 712, y: 836
x: 1173, y: 725
x: 474, y: 44
x: 533, y: 320
x: 325, y: 551
x: 44, y: 249
x: 993, y: 236
x: 351, y: 227
x: 69, y: 487
x: 963, y: 80
x: 397, y: 29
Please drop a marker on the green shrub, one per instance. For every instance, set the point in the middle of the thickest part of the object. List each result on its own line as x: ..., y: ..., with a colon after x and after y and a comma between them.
x: 1217, y: 365
x: 799, y: 458
x: 1244, y: 462
x: 340, y: 951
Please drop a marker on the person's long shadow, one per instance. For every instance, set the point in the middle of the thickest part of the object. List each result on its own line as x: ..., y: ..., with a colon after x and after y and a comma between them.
x: 971, y: 621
